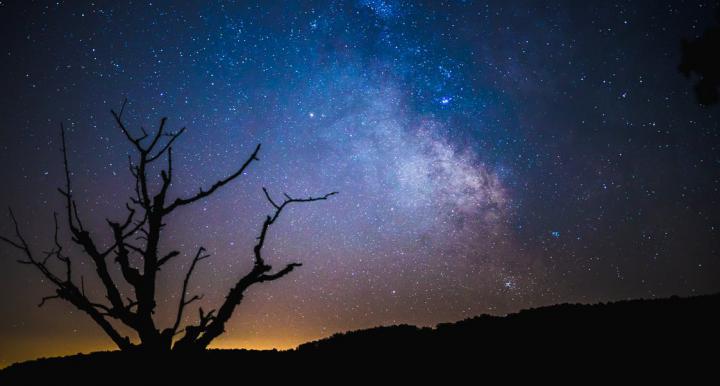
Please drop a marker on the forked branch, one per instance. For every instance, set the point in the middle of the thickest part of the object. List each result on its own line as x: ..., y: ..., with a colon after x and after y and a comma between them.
x: 201, y: 335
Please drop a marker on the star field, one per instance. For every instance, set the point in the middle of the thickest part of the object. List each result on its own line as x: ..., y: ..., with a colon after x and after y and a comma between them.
x: 490, y: 156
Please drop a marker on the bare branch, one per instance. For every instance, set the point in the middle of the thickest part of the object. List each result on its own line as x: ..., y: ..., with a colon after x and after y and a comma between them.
x: 83, y: 238
x: 204, y: 193
x: 205, y: 318
x: 122, y: 108
x: 107, y: 310
x: 288, y: 268
x: 68, y: 189
x: 46, y: 298
x: 131, y: 304
x: 25, y: 248
x: 267, y: 195
x: 66, y: 289
x: 12, y: 243
x: 58, y: 252
x: 181, y: 306
x: 167, y: 146
x: 136, y: 228
x: 269, y: 220
x: 158, y: 134
x: 167, y: 258
x: 258, y: 274
x: 128, y: 220
x: 77, y: 217
x: 121, y: 125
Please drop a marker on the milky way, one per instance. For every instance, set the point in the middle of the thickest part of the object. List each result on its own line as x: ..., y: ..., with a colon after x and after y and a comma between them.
x: 490, y: 156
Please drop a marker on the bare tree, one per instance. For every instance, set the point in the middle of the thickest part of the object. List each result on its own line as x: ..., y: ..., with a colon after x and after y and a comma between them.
x: 137, y: 237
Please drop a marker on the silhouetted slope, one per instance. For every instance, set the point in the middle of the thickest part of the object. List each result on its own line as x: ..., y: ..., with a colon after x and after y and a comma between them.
x: 630, y: 332
x: 634, y: 325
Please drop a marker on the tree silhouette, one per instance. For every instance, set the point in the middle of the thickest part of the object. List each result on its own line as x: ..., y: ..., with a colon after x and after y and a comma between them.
x: 702, y: 57
x: 139, y: 235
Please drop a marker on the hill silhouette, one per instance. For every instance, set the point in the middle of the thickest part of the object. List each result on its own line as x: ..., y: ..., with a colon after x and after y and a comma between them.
x: 671, y: 330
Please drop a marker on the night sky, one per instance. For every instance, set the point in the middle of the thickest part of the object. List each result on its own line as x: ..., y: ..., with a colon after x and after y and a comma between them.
x: 490, y: 156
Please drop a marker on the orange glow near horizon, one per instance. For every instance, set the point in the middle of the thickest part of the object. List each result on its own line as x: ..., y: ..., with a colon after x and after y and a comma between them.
x: 25, y: 348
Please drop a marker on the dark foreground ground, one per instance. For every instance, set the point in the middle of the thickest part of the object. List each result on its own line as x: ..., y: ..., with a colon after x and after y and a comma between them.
x: 644, y: 336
